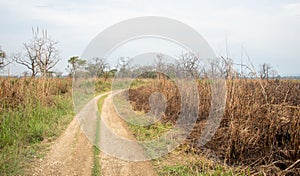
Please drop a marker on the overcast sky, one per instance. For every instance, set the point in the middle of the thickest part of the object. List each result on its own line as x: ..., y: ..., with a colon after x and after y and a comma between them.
x: 267, y: 29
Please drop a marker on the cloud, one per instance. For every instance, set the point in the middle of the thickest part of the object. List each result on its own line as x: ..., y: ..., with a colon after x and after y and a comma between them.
x: 292, y: 9
x: 269, y: 29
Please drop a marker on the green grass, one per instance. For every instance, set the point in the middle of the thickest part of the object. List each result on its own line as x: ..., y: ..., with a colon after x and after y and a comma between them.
x: 102, y: 86
x: 31, y: 120
x: 86, y: 90
x: 198, y: 168
x: 127, y: 83
x: 151, y: 139
x: 194, y: 167
x: 145, y: 133
x: 23, y: 128
x: 186, y: 167
x: 96, y: 170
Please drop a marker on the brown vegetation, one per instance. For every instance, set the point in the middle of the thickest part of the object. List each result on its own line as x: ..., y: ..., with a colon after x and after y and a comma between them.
x: 259, y: 129
x: 16, y: 92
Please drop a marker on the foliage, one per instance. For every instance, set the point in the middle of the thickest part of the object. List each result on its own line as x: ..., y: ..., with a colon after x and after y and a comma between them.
x: 75, y: 64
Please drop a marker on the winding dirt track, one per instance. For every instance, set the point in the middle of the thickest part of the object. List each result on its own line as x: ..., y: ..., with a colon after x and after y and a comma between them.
x: 72, y: 153
x: 115, y: 166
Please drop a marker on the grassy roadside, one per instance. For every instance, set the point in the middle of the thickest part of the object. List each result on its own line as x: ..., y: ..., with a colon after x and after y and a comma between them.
x: 96, y: 170
x: 27, y: 120
x: 30, y: 110
x: 179, y: 162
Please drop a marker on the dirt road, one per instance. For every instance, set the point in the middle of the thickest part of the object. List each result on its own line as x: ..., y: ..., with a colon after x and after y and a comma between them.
x: 72, y: 152
x: 130, y: 150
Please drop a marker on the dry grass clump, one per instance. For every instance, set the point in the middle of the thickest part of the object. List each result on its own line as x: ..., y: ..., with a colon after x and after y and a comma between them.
x: 16, y: 92
x: 260, y: 126
x: 139, y: 98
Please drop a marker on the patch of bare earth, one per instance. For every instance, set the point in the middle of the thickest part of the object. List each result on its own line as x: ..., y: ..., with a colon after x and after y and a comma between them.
x: 72, y: 152
x: 111, y: 165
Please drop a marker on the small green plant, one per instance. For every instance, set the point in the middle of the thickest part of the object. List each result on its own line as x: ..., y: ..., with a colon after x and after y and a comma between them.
x: 145, y: 133
x: 96, y: 170
x: 199, y: 168
x: 102, y: 86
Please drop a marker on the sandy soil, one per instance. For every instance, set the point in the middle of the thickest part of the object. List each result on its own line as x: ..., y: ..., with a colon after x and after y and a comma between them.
x: 71, y: 154
x: 112, y: 165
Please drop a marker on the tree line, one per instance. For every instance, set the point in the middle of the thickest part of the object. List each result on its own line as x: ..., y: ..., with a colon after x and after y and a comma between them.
x: 41, y: 54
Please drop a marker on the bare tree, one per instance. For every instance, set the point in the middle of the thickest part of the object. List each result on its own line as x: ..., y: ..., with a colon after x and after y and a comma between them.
x: 190, y: 64
x: 159, y: 62
x: 41, y: 53
x: 226, y: 67
x: 264, y: 71
x: 159, y: 65
x: 46, y: 51
x: 3, y: 59
x: 28, y: 60
x: 273, y: 73
x: 124, y: 66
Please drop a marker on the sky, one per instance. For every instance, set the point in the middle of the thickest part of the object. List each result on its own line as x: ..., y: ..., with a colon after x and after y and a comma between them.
x: 268, y: 29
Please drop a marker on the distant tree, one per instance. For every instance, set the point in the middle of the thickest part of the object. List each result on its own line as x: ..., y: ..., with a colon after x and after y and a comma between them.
x: 146, y: 71
x: 159, y: 65
x: 75, y: 64
x: 2, y: 53
x: 124, y: 67
x: 274, y: 73
x: 226, y: 68
x: 97, y: 67
x: 113, y: 72
x: 58, y: 74
x: 264, y: 71
x: 109, y: 74
x: 190, y: 63
x: 25, y: 74
x: 3, y: 59
x: 159, y: 62
x: 2, y: 56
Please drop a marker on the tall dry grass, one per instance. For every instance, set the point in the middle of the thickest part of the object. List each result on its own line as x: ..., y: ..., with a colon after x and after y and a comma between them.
x: 16, y: 92
x: 31, y: 111
x: 260, y: 126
